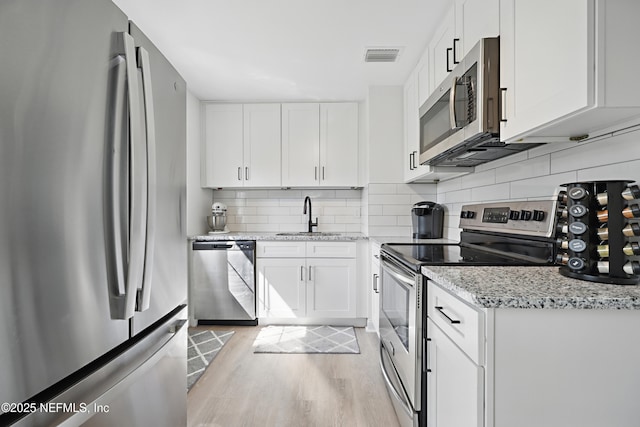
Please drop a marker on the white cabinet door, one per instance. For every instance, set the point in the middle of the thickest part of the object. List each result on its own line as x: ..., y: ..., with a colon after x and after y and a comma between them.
x: 375, y: 287
x: 552, y: 66
x: 331, y: 287
x: 423, y: 81
x: 412, y: 167
x: 475, y: 19
x: 281, y: 287
x: 339, y: 144
x: 441, y: 49
x: 455, y: 387
x: 262, y: 155
x: 300, y: 144
x: 223, y: 145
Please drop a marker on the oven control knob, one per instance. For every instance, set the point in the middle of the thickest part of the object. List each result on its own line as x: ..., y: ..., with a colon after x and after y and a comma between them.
x: 526, y: 215
x: 538, y: 215
x: 467, y: 214
x: 514, y: 215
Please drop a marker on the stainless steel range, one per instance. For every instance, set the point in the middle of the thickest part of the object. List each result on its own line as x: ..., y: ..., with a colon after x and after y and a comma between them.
x: 494, y: 234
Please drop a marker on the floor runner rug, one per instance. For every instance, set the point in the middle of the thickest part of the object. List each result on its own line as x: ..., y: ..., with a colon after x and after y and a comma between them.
x: 203, y: 346
x: 306, y: 339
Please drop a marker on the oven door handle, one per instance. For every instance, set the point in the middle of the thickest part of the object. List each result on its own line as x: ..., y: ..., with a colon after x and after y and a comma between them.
x: 397, y: 274
x: 402, y: 400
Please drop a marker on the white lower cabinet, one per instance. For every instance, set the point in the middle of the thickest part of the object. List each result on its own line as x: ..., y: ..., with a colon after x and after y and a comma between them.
x: 455, y: 377
x: 505, y: 367
x: 314, y: 280
x: 455, y: 384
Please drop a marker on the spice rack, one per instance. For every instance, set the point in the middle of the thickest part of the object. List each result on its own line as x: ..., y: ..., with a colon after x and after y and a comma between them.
x: 598, y: 225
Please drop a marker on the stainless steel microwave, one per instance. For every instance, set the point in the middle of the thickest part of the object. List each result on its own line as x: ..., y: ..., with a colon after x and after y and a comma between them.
x: 459, y: 122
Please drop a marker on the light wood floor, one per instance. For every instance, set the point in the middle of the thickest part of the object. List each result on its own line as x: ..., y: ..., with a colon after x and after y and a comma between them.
x: 241, y: 388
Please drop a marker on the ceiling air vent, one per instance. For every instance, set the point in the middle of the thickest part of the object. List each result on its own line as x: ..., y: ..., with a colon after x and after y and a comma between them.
x: 381, y: 54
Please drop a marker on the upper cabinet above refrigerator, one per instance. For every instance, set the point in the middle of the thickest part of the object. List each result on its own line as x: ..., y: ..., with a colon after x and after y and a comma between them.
x: 572, y: 76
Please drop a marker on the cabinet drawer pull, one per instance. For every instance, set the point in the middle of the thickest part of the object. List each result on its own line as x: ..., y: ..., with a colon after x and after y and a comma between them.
x: 441, y: 311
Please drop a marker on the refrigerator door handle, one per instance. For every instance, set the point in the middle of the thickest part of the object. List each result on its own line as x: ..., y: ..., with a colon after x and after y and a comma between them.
x: 117, y: 180
x: 144, y: 295
x: 127, y: 215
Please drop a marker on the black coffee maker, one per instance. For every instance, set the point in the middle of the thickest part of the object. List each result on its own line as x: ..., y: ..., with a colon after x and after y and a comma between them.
x: 428, y: 220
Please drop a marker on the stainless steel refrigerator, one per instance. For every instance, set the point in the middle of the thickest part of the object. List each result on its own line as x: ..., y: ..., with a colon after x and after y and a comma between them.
x: 93, y: 252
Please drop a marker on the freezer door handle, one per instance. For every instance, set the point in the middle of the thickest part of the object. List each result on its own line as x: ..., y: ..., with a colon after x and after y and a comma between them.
x: 144, y: 296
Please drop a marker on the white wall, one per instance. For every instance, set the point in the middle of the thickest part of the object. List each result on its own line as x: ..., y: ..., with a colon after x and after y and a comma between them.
x: 198, y: 199
x: 539, y: 172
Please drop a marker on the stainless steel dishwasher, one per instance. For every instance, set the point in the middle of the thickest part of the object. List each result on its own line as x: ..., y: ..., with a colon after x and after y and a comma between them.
x: 223, y: 287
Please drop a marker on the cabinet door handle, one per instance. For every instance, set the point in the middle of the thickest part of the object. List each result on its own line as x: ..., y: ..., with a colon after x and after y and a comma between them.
x: 310, y: 279
x: 315, y: 173
x: 415, y: 154
x: 449, y: 49
x: 302, y: 273
x: 441, y: 311
x: 323, y: 173
x: 455, y: 41
x: 246, y: 173
x: 375, y: 283
x: 239, y: 173
x: 503, y: 104
x: 427, y: 357
x: 411, y: 162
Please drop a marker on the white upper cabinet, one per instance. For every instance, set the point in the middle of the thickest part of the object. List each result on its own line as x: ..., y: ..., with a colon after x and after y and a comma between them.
x: 223, y: 145
x: 320, y: 145
x: 572, y: 77
x: 441, y: 60
x: 262, y: 145
x: 242, y: 145
x: 339, y: 145
x: 462, y: 26
x: 475, y: 19
x: 300, y: 144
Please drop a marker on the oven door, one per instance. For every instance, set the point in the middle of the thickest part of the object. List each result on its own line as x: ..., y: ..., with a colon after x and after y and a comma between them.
x: 401, y: 338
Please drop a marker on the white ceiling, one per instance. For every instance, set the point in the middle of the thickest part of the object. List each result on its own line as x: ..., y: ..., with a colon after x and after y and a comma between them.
x: 286, y: 50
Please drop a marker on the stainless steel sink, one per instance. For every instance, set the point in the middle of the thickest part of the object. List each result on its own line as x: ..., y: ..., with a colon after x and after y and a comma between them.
x: 308, y: 233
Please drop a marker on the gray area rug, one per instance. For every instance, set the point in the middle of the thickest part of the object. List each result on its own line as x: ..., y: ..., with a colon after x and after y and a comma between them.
x: 203, y: 346
x: 306, y: 339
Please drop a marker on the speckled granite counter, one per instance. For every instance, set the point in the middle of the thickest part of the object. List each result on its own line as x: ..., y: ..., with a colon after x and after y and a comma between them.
x: 531, y: 287
x: 275, y: 236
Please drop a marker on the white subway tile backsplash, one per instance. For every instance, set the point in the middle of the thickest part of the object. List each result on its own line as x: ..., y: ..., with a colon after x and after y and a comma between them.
x: 383, y: 220
x: 478, y: 178
x: 383, y: 189
x: 540, y: 186
x: 617, y: 171
x: 538, y: 166
x: 389, y: 199
x: 490, y: 193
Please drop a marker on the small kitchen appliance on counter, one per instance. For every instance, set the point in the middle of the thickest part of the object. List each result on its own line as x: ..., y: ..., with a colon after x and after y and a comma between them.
x: 218, y: 219
x: 428, y: 220
x: 598, y: 232
x: 513, y: 233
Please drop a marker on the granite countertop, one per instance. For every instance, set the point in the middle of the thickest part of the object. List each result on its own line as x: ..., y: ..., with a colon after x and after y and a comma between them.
x: 248, y: 235
x: 531, y: 287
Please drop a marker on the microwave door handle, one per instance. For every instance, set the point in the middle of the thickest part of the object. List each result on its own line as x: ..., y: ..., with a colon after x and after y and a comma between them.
x: 452, y: 103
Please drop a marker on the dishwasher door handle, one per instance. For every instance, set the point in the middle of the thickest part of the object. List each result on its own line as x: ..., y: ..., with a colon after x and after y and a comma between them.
x: 210, y: 246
